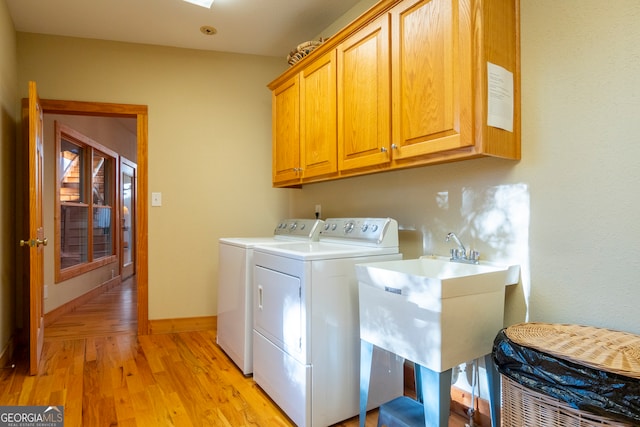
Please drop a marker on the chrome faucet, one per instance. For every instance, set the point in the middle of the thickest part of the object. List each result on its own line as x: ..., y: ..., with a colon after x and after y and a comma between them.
x: 460, y: 254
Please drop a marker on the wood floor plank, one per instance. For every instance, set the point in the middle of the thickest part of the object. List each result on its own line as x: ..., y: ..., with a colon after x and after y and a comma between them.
x: 123, y: 404
x: 178, y: 410
x: 74, y: 397
x: 157, y: 407
x: 26, y: 397
x: 143, y: 369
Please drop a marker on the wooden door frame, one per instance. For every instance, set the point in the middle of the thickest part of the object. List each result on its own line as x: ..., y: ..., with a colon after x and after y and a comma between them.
x: 140, y: 113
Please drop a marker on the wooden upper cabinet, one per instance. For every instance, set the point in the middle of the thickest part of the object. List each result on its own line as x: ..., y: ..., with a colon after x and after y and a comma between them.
x: 364, y: 91
x: 440, y: 53
x: 406, y: 84
x: 286, y: 131
x: 431, y: 77
x: 318, y: 132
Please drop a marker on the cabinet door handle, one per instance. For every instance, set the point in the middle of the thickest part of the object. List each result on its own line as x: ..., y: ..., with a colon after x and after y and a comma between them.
x: 394, y: 146
x: 383, y: 149
x: 260, y: 297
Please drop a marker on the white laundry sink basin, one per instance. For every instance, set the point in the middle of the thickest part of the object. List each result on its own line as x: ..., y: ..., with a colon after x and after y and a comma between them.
x: 431, y: 311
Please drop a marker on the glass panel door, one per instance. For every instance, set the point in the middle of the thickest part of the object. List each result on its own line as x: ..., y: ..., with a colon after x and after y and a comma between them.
x: 128, y: 223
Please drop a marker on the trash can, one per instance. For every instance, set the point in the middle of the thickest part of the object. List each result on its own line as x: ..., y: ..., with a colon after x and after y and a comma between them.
x: 568, y: 375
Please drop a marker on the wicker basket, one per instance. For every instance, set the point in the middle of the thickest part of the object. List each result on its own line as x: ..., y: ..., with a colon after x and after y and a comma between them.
x: 604, y: 349
x: 523, y: 407
x: 302, y: 50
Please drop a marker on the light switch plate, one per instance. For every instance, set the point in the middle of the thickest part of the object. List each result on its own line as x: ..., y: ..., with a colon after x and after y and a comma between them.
x: 156, y: 199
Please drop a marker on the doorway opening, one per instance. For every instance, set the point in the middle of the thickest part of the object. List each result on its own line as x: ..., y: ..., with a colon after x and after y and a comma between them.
x: 135, y: 266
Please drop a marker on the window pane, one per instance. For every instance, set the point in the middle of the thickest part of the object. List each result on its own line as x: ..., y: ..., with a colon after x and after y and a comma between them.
x: 101, y: 182
x: 71, y: 176
x: 102, y: 240
x: 73, y: 235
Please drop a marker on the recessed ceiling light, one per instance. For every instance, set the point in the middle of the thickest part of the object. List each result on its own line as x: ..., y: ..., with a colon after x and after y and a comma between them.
x: 203, y: 3
x: 208, y: 30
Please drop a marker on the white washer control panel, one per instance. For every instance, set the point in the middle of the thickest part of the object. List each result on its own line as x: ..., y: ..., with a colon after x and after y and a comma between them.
x: 381, y: 232
x: 309, y: 228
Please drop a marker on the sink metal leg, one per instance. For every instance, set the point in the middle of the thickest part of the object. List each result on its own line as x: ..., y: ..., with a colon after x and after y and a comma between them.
x: 435, y: 395
x: 417, y: 374
x: 366, y: 356
x: 493, y: 383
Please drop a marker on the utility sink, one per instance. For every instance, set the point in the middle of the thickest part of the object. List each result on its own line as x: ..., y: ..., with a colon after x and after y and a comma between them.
x: 432, y: 311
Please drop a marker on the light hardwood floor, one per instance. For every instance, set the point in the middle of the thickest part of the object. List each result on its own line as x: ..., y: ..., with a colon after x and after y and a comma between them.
x: 103, y: 374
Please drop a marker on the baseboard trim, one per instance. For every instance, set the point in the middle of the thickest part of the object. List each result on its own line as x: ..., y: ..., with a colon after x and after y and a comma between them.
x: 69, y: 306
x: 6, y: 355
x: 184, y: 324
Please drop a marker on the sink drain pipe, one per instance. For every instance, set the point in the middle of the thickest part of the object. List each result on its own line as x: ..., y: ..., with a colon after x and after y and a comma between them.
x: 474, y: 383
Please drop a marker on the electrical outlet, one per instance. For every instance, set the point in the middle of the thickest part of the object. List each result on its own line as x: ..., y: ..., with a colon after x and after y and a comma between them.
x: 156, y: 199
x: 318, y: 211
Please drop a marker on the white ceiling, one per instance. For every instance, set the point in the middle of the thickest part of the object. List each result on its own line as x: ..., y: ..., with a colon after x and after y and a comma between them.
x: 261, y: 27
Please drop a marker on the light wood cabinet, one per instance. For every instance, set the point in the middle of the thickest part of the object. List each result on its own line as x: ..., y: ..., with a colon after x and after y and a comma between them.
x: 364, y: 125
x: 304, y: 124
x: 432, y: 82
x: 439, y: 79
x: 286, y: 131
x: 318, y: 147
x: 411, y: 89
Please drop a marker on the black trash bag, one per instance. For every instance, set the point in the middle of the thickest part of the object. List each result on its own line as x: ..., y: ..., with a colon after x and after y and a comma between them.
x: 583, y: 388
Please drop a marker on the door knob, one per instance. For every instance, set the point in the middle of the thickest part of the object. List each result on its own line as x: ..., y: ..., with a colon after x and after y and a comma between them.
x: 36, y: 242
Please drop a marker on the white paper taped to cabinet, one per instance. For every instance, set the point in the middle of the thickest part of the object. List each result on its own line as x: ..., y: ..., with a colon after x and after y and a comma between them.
x: 499, y: 97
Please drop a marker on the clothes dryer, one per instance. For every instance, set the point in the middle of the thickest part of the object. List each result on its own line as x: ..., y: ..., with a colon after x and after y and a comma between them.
x: 306, y: 323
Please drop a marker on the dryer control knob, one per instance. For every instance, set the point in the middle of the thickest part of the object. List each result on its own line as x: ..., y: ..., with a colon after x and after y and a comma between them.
x: 348, y: 227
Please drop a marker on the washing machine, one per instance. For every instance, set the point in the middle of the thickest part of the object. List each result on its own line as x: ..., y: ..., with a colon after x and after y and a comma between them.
x: 235, y: 278
x: 306, y: 323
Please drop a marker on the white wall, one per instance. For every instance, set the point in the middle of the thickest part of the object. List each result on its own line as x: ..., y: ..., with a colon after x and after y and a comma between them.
x: 569, y: 211
x: 209, y: 148
x: 351, y: 15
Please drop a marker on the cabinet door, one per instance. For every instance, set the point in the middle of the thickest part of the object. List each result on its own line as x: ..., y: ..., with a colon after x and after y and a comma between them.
x: 364, y: 97
x: 432, y: 79
x: 286, y: 131
x: 318, y: 133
